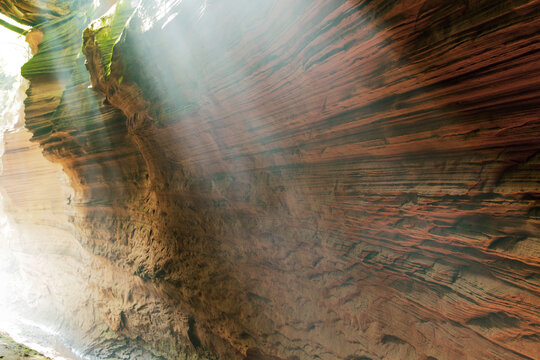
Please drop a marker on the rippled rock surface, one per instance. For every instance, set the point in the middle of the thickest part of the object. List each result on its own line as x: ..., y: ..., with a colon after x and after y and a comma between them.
x: 294, y: 179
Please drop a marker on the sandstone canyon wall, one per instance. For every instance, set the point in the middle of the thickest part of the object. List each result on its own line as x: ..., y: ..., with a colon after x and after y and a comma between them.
x: 288, y: 179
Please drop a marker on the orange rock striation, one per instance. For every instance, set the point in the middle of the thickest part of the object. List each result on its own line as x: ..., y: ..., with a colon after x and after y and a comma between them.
x: 307, y: 179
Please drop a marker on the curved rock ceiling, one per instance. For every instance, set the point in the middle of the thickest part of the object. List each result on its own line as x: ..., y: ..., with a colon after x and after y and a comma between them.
x: 272, y: 180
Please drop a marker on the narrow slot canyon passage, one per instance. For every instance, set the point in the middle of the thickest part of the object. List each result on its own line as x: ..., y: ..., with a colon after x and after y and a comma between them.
x: 270, y: 180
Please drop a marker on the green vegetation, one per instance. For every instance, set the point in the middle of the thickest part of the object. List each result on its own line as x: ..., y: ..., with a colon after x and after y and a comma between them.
x: 108, y: 29
x: 10, y: 350
x: 59, y: 50
x: 13, y: 27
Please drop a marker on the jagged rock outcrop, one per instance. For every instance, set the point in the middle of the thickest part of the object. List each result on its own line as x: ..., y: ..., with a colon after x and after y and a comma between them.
x: 307, y: 179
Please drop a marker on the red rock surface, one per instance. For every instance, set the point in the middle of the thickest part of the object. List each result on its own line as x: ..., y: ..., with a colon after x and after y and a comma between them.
x: 310, y: 179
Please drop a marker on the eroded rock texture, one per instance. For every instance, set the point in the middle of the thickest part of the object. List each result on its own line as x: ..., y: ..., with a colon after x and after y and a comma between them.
x: 99, y: 309
x: 304, y: 179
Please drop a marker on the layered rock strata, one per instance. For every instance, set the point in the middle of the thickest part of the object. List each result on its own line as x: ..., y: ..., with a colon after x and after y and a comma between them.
x: 304, y: 180
x: 59, y: 292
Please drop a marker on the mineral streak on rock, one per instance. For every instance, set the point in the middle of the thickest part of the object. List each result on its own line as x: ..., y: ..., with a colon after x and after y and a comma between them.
x: 304, y: 179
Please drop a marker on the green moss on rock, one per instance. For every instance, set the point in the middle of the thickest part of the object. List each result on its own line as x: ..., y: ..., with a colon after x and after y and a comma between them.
x: 108, y: 29
x: 10, y: 350
x: 59, y: 50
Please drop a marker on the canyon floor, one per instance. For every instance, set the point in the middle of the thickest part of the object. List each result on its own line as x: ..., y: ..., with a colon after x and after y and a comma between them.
x: 10, y: 350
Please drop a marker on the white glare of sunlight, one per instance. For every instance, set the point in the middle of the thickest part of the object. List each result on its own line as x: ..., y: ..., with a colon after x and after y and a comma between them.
x: 169, y: 19
x: 203, y: 9
x: 15, y: 53
x: 13, y: 44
